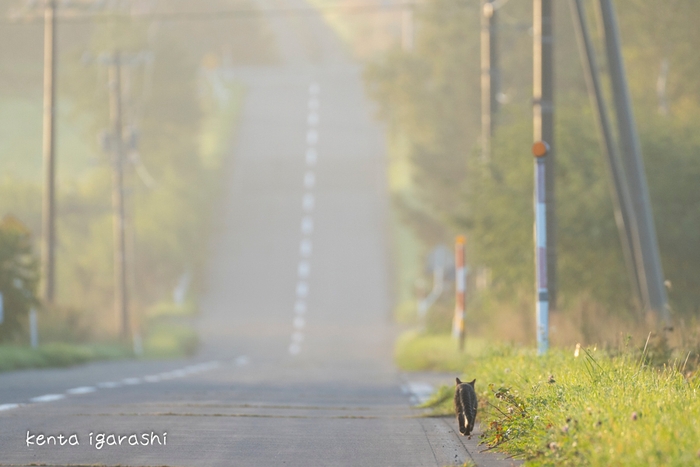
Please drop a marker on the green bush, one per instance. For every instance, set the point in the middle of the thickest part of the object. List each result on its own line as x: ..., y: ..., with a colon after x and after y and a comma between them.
x: 19, y: 275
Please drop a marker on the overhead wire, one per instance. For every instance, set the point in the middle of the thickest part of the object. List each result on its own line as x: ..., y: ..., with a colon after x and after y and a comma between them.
x: 365, y: 8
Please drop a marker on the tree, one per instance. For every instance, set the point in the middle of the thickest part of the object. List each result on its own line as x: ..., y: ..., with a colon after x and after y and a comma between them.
x: 430, y: 100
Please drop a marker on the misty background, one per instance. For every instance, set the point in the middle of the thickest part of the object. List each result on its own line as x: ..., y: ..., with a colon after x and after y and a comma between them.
x: 181, y: 99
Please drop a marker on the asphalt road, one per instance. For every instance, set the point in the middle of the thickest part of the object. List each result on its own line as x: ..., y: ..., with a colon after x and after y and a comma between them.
x: 296, y: 367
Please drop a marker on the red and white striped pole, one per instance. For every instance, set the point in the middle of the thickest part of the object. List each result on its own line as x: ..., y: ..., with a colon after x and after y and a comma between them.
x: 458, y: 330
x: 540, y: 150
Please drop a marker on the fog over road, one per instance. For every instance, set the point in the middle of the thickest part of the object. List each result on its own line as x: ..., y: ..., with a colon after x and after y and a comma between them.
x: 296, y: 367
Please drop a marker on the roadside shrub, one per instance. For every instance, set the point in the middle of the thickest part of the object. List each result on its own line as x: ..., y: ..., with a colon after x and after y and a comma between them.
x: 19, y: 276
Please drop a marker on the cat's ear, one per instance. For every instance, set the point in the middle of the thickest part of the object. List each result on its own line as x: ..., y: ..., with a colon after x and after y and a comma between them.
x: 471, y: 383
x: 458, y: 381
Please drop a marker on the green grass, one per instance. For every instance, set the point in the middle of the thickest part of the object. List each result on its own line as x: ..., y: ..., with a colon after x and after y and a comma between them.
x: 165, y: 340
x: 57, y: 355
x: 416, y: 351
x: 170, y: 340
x: 596, y: 409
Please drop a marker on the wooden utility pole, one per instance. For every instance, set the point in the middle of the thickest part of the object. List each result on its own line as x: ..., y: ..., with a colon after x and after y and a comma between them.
x: 489, y: 76
x: 48, y: 257
x: 117, y: 152
x: 31, y: 11
x: 543, y: 124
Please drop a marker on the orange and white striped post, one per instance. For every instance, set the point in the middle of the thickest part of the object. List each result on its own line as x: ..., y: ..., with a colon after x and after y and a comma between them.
x: 458, y: 328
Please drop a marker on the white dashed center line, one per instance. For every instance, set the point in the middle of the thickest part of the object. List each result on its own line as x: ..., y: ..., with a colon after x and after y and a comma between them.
x: 108, y: 385
x: 302, y: 289
x: 47, y: 398
x: 81, y: 390
x: 311, y: 157
x: 305, y: 248
x: 243, y: 360
x: 308, y: 202
x: 303, y: 269
x: 131, y: 381
x: 309, y: 180
x: 312, y: 137
x: 307, y: 225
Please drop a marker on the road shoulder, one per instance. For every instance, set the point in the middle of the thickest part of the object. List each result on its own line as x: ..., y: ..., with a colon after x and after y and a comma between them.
x: 449, y: 448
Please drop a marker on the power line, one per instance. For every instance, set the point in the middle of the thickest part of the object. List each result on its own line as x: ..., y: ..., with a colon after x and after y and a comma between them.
x: 226, y: 14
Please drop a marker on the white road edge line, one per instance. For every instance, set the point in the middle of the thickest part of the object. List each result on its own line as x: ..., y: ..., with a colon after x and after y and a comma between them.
x: 419, y: 391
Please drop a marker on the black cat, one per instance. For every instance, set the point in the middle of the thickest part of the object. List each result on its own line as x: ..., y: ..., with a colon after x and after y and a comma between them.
x: 465, y: 406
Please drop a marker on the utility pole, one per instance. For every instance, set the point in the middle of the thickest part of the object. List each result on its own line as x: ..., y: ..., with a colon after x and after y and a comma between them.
x: 33, y: 10
x: 622, y: 203
x: 634, y: 167
x: 114, y: 144
x: 48, y: 256
x: 543, y: 124
x: 117, y: 153
x: 489, y: 76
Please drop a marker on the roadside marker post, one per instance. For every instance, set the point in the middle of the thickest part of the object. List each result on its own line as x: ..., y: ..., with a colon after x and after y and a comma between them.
x: 33, y: 329
x: 458, y: 327
x: 540, y: 150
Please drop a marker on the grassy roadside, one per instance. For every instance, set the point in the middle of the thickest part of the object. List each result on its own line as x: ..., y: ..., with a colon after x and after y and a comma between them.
x: 418, y: 352
x: 168, y: 339
x: 165, y: 340
x: 58, y: 355
x: 595, y: 409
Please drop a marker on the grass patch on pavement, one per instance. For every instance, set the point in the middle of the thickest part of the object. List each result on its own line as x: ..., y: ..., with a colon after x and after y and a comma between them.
x: 595, y: 409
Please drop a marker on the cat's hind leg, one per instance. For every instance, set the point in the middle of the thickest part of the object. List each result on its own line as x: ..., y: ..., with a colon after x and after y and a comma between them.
x: 461, y: 419
x: 469, y: 428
